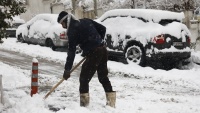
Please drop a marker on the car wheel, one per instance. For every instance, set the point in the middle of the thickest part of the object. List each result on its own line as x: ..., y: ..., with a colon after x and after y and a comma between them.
x: 20, y: 38
x: 49, y: 43
x: 183, y: 64
x: 135, y: 55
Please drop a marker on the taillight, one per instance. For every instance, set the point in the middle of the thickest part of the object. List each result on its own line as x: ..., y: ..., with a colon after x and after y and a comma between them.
x: 63, y: 35
x: 159, y: 39
x: 188, y: 40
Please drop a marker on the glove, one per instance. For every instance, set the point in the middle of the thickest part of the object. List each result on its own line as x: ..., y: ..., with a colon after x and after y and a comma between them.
x: 66, y: 74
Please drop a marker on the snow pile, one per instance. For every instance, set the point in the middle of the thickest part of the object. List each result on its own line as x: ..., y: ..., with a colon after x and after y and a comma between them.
x: 145, y: 92
x: 195, y: 57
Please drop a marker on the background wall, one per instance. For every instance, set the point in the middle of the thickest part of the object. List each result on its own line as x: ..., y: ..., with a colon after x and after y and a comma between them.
x: 36, y: 7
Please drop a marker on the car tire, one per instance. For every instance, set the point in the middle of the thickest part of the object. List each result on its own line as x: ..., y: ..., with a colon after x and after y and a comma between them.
x: 183, y: 63
x: 20, y: 38
x: 135, y: 54
x: 49, y: 43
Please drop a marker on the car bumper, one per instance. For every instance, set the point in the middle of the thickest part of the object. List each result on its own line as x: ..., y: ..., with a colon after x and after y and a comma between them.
x: 61, y: 43
x: 10, y: 33
x: 171, y: 53
x: 175, y: 56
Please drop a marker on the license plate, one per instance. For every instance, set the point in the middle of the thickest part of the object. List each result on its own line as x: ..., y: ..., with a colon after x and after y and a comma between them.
x: 177, y: 44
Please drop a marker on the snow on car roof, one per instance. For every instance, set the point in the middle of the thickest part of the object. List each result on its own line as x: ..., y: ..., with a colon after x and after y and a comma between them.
x: 17, y: 19
x: 51, y: 17
x: 147, y: 14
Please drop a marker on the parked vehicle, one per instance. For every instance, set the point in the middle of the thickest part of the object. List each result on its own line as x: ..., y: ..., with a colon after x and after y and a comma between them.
x: 43, y: 29
x: 15, y: 23
x: 139, y: 35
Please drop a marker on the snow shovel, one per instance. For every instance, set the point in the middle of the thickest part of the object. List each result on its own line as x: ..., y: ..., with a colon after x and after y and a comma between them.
x: 52, y: 89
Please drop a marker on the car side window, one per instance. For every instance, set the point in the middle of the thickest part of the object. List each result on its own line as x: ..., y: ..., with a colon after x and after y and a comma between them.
x: 140, y: 18
x: 164, y: 22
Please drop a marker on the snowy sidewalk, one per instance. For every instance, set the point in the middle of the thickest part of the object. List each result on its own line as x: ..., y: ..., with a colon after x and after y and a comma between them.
x: 134, y: 94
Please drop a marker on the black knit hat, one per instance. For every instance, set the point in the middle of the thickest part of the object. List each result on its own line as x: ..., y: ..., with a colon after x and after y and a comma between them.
x: 62, y: 16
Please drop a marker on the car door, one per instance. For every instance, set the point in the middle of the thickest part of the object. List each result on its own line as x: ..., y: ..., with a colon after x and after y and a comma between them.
x: 32, y: 34
x: 38, y: 31
x: 114, y: 39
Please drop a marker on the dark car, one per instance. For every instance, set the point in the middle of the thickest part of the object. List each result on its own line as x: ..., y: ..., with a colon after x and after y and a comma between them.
x: 15, y: 23
x: 139, y: 35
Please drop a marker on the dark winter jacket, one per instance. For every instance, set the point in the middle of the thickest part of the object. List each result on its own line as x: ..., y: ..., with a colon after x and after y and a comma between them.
x: 86, y: 33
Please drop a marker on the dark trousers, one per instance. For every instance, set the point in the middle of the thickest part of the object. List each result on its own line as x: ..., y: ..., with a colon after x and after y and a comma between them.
x: 95, y: 61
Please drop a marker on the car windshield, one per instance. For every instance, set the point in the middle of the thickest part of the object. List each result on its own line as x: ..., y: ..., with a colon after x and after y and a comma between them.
x: 16, y: 25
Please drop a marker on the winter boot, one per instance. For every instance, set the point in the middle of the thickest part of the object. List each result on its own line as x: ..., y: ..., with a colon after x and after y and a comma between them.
x: 84, y: 99
x: 111, y: 99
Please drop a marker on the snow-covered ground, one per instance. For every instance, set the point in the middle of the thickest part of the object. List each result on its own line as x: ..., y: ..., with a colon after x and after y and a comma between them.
x: 139, y: 89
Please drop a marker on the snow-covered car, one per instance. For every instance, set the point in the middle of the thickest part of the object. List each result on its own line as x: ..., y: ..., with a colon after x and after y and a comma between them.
x: 139, y: 35
x: 43, y: 29
x: 15, y: 23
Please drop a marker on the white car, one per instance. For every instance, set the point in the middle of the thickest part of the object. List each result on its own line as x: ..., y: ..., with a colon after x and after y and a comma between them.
x: 139, y: 35
x: 43, y: 29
